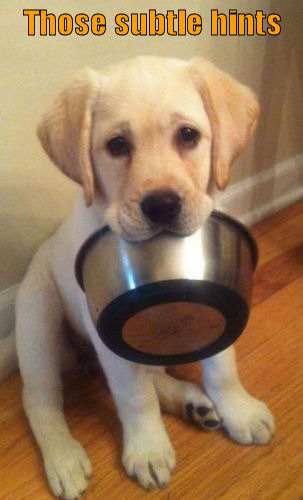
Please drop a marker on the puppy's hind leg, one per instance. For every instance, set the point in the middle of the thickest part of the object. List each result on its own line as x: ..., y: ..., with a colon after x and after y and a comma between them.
x: 184, y: 399
x: 40, y: 349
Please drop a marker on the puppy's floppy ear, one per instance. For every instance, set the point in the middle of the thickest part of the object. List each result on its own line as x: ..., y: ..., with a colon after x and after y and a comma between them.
x: 233, y: 111
x: 65, y: 131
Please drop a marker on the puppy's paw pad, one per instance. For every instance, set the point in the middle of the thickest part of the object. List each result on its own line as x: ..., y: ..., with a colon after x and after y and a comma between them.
x: 199, y: 409
x: 68, y: 469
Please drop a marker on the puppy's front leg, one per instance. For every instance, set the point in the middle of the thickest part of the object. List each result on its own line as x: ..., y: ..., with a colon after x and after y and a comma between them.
x: 148, y: 455
x: 40, y: 349
x: 246, y: 419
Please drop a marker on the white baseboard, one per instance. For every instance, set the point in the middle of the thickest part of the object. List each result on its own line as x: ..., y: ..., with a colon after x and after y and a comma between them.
x: 249, y: 200
x: 7, y: 310
x: 266, y: 192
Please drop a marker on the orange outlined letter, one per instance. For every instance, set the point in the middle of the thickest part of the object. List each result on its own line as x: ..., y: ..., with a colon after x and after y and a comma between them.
x: 31, y: 13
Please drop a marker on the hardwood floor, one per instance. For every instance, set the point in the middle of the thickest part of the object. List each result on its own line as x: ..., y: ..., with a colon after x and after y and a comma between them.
x: 209, y: 465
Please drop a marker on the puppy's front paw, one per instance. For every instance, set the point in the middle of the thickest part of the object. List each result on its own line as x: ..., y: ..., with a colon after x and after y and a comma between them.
x: 68, y: 469
x: 149, y: 458
x: 246, y: 419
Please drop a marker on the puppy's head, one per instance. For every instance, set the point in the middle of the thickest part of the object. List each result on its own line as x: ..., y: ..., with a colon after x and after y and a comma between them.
x: 147, y: 136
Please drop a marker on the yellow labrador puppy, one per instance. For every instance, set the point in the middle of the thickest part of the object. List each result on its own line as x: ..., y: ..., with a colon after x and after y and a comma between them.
x: 146, y: 139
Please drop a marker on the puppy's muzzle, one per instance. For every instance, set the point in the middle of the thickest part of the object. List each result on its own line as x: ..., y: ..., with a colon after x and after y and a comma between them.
x: 161, y: 207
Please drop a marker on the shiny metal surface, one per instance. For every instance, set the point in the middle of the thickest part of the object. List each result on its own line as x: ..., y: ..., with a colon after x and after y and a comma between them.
x: 222, y: 251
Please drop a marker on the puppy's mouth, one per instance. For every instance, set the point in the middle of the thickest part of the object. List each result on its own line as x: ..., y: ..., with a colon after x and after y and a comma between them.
x: 145, y: 232
x: 183, y: 225
x: 137, y: 230
x: 133, y: 225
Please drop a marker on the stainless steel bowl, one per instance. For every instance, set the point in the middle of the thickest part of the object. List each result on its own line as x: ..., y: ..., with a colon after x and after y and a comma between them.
x: 171, y: 299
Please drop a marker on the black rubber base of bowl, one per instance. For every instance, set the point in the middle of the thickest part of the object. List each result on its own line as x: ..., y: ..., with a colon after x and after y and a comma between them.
x: 112, y: 319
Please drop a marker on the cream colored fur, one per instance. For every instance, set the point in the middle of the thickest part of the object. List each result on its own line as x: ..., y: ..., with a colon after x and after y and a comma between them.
x: 148, y: 100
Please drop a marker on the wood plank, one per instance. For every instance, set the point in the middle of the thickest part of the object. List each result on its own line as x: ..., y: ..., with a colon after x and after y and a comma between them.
x: 277, y: 273
x: 278, y: 219
x: 280, y: 240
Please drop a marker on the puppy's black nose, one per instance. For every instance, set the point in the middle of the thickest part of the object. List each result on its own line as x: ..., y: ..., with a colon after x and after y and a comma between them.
x: 161, y: 206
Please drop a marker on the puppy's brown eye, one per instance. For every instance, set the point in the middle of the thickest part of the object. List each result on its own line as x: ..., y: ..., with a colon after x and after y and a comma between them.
x: 118, y: 146
x: 188, y: 137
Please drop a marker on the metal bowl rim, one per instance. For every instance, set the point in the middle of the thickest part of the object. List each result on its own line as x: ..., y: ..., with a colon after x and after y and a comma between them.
x: 215, y: 214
